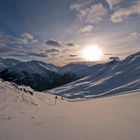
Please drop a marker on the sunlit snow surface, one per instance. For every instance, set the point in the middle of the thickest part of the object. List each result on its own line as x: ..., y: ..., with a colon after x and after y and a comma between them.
x: 33, y: 117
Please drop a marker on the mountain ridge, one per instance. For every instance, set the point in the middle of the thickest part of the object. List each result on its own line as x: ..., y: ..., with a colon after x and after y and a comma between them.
x: 106, y: 80
x: 42, y: 76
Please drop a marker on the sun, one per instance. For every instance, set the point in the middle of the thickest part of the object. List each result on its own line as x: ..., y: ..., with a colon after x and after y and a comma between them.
x: 92, y: 53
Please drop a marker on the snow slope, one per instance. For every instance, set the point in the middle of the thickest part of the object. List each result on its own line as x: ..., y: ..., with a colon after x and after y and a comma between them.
x: 84, y: 69
x: 106, y: 80
x: 27, y: 117
x: 75, y: 68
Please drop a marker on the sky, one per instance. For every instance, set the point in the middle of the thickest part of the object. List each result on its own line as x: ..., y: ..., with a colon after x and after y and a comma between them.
x: 56, y: 31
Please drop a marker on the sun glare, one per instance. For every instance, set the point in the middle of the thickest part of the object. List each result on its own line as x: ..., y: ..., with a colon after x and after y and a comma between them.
x: 92, y: 53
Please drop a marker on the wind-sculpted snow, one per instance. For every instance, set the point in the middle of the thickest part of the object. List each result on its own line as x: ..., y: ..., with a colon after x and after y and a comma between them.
x: 12, y: 93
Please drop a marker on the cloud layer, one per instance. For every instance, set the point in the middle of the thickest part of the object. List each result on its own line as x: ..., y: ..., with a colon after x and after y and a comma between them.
x: 123, y: 13
x: 26, y: 46
x: 91, y: 14
x: 113, y: 3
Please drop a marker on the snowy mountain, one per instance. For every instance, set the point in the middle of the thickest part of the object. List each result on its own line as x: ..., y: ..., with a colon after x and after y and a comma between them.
x: 84, y: 69
x: 74, y: 68
x: 6, y: 63
x: 106, y: 79
x: 33, y: 67
x: 34, y: 73
x: 98, y: 79
x: 38, y: 75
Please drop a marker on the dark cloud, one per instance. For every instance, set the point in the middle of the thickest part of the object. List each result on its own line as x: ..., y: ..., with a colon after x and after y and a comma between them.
x: 52, y: 50
x: 4, y: 49
x: 37, y: 54
x: 54, y: 55
x: 114, y: 58
x: 53, y: 43
x: 72, y: 55
x: 70, y: 44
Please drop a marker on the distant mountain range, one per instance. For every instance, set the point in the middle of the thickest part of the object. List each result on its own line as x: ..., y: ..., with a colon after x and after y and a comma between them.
x: 36, y: 74
x: 82, y: 80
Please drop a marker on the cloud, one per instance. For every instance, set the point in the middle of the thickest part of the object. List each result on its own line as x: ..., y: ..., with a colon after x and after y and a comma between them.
x: 70, y: 44
x: 72, y: 55
x: 18, y: 55
x: 114, y: 58
x: 76, y: 7
x: 5, y: 49
x: 108, y: 54
x: 87, y: 29
x: 26, y: 38
x: 53, y: 43
x: 28, y: 54
x: 23, y: 39
x: 94, y: 13
x: 26, y: 45
x: 6, y: 39
x: 37, y: 54
x: 123, y: 13
x: 134, y: 36
x: 19, y: 46
x: 90, y: 14
x: 52, y: 50
x: 113, y: 3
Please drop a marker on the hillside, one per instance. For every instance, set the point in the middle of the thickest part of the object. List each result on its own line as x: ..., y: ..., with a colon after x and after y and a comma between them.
x: 36, y: 74
x: 24, y: 116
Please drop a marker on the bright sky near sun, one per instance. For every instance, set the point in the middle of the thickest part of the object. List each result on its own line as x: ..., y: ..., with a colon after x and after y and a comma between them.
x: 65, y: 31
x: 92, y: 53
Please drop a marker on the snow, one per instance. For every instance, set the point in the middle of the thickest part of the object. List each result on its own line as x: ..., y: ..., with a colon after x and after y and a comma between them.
x: 75, y: 68
x: 27, y: 117
x: 6, y: 63
x: 124, y: 76
x: 30, y: 67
